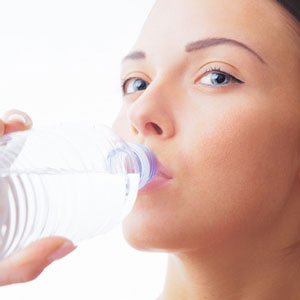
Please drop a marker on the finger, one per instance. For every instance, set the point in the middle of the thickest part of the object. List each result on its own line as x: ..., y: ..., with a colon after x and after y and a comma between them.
x: 2, y: 127
x: 28, y: 263
x: 15, y: 120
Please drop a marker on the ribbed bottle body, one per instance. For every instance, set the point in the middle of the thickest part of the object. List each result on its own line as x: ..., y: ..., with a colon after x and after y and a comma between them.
x: 60, y: 181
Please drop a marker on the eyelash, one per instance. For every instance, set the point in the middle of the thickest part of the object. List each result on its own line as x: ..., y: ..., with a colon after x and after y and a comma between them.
x: 210, y: 70
x: 218, y: 70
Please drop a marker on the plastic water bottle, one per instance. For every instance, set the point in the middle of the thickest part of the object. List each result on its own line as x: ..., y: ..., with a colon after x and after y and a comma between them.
x: 75, y: 180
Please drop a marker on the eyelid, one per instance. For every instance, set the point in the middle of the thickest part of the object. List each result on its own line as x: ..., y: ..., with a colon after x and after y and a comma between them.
x: 135, y: 74
x: 217, y: 69
x: 225, y: 68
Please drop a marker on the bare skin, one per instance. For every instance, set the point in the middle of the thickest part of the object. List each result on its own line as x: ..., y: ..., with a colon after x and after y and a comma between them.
x: 229, y: 218
x: 28, y: 263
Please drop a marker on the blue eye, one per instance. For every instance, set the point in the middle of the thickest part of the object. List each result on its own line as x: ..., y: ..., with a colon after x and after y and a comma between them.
x: 216, y: 77
x: 134, y: 84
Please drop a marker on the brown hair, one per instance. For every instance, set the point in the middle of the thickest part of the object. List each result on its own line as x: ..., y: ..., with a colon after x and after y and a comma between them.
x: 293, y: 6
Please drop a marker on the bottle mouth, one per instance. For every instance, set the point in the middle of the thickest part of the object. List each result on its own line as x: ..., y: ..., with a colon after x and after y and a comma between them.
x: 120, y: 160
x: 134, y: 158
x: 147, y: 163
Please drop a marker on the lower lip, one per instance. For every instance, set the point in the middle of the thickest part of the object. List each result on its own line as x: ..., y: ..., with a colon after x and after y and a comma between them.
x: 156, y: 183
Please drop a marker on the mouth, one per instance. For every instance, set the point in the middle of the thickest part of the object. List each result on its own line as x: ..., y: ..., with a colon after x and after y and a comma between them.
x: 162, y: 178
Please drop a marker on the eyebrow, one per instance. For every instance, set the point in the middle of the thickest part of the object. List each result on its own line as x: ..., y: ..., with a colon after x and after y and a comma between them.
x: 135, y: 55
x: 200, y: 44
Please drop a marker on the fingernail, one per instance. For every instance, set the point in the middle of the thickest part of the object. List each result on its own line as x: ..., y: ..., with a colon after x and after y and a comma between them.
x: 62, y: 251
x: 17, y: 117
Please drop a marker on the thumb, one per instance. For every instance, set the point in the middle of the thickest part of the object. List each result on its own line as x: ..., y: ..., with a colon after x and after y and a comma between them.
x: 16, y: 120
x: 28, y: 263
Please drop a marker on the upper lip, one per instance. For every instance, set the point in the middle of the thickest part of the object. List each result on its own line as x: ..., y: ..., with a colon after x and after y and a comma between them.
x: 163, y: 171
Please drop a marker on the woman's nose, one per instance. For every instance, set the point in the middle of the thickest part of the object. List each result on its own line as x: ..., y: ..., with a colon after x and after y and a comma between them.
x: 151, y: 116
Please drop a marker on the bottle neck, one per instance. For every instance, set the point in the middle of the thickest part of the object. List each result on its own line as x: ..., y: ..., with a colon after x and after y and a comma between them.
x: 146, y: 162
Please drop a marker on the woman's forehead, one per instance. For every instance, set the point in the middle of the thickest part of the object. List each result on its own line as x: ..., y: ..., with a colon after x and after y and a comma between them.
x: 256, y: 23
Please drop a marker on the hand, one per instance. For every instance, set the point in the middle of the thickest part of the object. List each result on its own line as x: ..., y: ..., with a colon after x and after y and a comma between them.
x: 28, y: 263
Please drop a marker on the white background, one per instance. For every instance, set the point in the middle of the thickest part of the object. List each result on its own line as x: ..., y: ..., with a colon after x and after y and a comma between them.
x: 59, y: 60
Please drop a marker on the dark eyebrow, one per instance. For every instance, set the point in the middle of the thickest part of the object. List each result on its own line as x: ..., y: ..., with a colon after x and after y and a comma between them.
x: 201, y: 44
x: 135, y: 55
x: 218, y: 41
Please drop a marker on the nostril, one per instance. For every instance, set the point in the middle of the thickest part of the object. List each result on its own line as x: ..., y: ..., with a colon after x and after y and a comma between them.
x: 156, y: 128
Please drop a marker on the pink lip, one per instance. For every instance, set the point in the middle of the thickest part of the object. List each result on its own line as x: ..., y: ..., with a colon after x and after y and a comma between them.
x: 162, y: 178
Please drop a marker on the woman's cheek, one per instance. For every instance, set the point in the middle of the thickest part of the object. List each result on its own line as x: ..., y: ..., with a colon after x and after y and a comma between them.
x: 238, y: 170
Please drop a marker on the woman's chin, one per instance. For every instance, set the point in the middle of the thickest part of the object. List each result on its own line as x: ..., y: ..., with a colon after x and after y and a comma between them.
x: 143, y: 235
x: 148, y: 233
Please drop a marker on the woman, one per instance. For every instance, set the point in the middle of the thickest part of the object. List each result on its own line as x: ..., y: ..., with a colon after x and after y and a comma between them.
x: 212, y: 88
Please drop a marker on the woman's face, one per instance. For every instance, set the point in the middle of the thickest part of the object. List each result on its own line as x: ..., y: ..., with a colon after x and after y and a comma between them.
x: 221, y: 115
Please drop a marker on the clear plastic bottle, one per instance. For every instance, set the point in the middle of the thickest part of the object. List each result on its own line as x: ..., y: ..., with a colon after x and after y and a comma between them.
x: 76, y: 180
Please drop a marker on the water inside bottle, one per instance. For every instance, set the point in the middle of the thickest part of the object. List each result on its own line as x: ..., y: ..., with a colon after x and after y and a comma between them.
x: 76, y: 205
